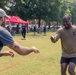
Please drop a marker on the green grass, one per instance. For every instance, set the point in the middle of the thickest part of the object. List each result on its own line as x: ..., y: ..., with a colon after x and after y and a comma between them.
x: 47, y: 62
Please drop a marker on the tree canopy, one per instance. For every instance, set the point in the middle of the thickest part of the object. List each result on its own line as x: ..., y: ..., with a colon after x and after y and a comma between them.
x: 48, y: 10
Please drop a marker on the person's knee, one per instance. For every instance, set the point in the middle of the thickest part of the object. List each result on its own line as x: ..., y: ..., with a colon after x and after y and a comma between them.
x: 71, y: 68
x: 71, y: 71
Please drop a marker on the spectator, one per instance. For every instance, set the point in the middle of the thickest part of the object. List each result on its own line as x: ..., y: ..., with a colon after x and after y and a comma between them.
x: 35, y: 30
x: 24, y: 32
x: 44, y: 30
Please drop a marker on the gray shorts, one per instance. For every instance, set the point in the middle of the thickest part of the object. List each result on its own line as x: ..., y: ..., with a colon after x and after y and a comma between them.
x: 68, y: 60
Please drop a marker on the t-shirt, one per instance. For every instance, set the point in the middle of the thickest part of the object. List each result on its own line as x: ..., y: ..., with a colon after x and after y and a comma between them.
x: 44, y: 29
x: 68, y: 41
x: 5, y: 37
x: 24, y: 28
x: 34, y: 28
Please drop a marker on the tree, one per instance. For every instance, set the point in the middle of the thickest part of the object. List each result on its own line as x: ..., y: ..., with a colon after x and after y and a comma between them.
x: 48, y: 10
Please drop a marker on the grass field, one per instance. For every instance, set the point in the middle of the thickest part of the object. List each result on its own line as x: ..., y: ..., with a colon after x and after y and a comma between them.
x: 47, y: 62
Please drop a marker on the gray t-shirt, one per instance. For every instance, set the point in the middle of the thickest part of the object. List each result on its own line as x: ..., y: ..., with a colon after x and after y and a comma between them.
x: 5, y: 37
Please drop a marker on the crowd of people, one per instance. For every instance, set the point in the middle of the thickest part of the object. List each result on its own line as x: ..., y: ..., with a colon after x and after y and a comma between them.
x: 23, y: 29
x: 39, y: 30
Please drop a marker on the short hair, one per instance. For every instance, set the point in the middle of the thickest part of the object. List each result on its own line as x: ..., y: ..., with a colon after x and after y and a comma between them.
x: 67, y: 17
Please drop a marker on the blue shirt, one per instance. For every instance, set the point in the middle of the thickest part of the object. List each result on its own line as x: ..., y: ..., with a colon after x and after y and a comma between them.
x: 5, y: 37
x: 34, y: 28
x: 44, y: 28
x: 24, y: 28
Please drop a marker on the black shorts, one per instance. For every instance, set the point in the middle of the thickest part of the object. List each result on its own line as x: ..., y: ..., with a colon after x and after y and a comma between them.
x: 67, y: 60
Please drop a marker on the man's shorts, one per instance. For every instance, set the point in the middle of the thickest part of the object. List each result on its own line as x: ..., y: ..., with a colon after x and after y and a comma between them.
x: 68, y: 60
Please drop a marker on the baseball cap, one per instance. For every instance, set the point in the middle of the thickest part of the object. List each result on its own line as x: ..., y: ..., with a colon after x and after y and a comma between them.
x: 3, y: 13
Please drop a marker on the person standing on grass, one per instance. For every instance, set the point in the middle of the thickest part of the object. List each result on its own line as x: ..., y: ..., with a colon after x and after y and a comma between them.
x: 23, y: 32
x: 44, y: 30
x: 67, y: 34
x: 7, y: 40
x: 35, y: 30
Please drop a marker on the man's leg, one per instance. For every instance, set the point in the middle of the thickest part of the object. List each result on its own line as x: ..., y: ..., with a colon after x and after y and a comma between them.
x: 71, y: 68
x: 64, y: 63
x: 63, y: 68
x: 24, y: 36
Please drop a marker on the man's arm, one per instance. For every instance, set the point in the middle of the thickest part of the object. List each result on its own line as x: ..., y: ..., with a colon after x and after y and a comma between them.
x: 52, y: 38
x: 7, y: 53
x: 22, y: 50
x: 55, y: 38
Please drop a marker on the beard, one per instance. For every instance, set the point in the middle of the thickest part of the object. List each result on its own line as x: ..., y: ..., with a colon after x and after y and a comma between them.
x: 4, y: 23
x: 67, y: 26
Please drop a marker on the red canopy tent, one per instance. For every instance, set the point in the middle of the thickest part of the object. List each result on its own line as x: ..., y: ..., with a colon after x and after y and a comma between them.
x: 15, y: 20
x: 21, y: 21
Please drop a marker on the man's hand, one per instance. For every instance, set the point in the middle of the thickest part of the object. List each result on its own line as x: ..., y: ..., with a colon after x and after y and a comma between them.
x: 8, y: 53
x: 52, y: 39
x: 35, y: 50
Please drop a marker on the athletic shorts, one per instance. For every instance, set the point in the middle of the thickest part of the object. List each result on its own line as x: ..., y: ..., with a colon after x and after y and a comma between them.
x: 68, y: 60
